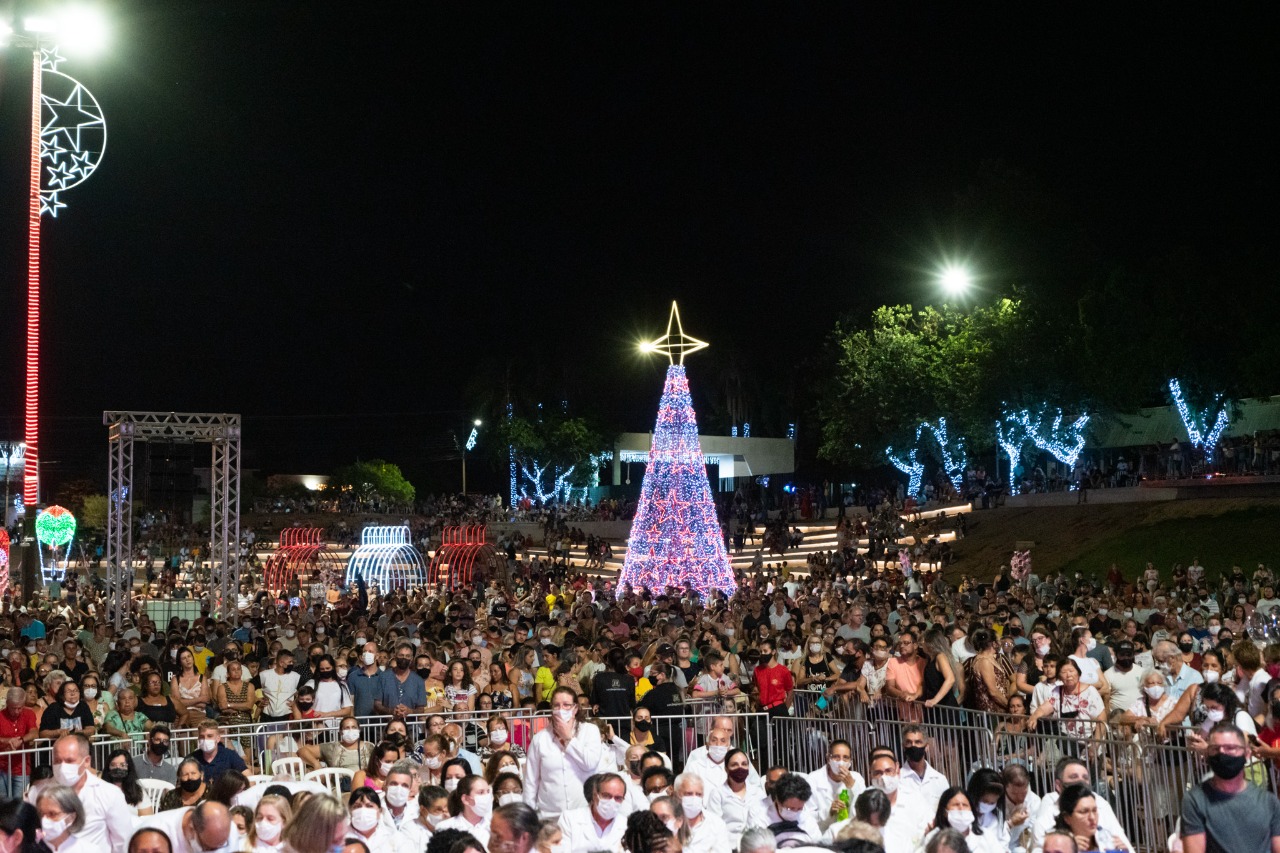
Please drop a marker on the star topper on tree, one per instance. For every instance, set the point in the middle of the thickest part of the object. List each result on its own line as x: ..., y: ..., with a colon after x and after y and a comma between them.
x: 676, y: 346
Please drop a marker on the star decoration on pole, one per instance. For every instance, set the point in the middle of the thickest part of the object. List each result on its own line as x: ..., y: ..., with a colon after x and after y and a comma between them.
x: 73, y: 133
x: 676, y: 346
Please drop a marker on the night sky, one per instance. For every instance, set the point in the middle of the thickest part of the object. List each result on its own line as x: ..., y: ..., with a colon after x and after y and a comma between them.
x: 339, y: 222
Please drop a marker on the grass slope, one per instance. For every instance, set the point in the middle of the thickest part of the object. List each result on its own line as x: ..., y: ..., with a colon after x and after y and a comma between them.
x: 1087, y: 539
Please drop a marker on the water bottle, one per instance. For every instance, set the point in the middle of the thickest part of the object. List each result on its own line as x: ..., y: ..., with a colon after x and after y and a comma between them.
x: 844, y: 798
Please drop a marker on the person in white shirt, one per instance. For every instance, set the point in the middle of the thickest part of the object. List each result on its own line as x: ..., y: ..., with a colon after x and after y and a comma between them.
x: 471, y: 805
x: 561, y: 757
x: 203, y: 828
x: 599, y: 824
x: 707, y: 833
x: 709, y: 764
x: 918, y: 778
x: 278, y: 687
x: 632, y: 776
x: 741, y: 802
x: 1090, y: 669
x: 61, y: 819
x: 1021, y: 804
x: 401, y: 808
x: 108, y: 823
x: 269, y: 820
x: 365, y: 808
x: 908, y: 814
x: 829, y: 781
x: 1125, y: 678
x: 1072, y: 771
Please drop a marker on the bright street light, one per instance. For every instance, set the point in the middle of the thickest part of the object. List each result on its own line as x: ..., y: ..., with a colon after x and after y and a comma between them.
x: 476, y: 422
x: 955, y: 279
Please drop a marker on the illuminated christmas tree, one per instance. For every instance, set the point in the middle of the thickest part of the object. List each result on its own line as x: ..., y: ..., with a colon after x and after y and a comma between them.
x: 675, y: 537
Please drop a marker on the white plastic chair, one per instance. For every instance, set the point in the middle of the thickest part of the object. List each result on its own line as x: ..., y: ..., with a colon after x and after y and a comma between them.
x: 260, y: 778
x: 153, y: 790
x: 293, y: 766
x: 331, y: 778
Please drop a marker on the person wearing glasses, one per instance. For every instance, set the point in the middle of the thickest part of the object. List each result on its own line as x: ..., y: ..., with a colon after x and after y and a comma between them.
x: 601, y: 823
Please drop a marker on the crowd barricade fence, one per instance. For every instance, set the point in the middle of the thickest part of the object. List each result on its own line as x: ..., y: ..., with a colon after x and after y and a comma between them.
x: 1142, y: 777
x: 683, y: 733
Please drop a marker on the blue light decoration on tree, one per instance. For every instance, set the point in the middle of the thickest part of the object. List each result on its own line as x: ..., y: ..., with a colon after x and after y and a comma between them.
x: 953, y: 466
x: 1011, y: 434
x: 911, y: 467
x: 675, y: 537
x: 1198, y: 431
x: 1014, y: 429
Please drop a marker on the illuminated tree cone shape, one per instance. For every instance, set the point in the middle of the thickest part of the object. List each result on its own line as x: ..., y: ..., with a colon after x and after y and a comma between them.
x: 675, y: 537
x: 56, y: 527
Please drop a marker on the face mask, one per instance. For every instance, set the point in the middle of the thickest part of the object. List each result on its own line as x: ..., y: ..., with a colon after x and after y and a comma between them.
x: 607, y: 809
x: 815, y: 648
x: 397, y: 795
x: 1215, y: 716
x: 1226, y: 766
x: 424, y: 674
x: 350, y: 735
x: 1154, y: 691
x: 792, y: 815
x: 208, y: 744
x: 654, y: 795
x: 483, y: 804
x: 451, y: 785
x: 565, y: 715
x: 173, y: 654
x: 68, y: 774
x: 190, y: 785
x: 987, y: 808
x: 880, y: 654
x: 384, y: 768
x: 364, y: 818
x: 433, y: 762
x: 1102, y: 611
x: 509, y: 798
x: 118, y: 774
x: 267, y: 830
x: 1211, y: 676
x: 1090, y: 644
x: 498, y: 737
x: 91, y: 693
x: 913, y: 753
x: 1186, y: 648
x: 960, y: 821
x: 1214, y: 629
x: 289, y: 632
x: 54, y: 828
x: 692, y: 806
x: 837, y: 766
x: 367, y: 658
x: 135, y: 650
x: 739, y: 774
x: 886, y: 783
x: 403, y: 663
x: 643, y: 725
x: 546, y: 641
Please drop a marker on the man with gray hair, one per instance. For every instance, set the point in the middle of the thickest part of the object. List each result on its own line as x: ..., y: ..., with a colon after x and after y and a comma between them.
x: 18, y: 730
x: 757, y: 839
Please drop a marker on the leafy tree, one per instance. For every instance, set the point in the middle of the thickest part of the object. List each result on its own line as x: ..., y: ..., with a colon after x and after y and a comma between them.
x: 375, y: 478
x: 552, y: 452
x: 94, y: 512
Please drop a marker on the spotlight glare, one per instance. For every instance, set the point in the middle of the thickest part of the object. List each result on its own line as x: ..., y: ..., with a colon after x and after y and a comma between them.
x: 955, y: 279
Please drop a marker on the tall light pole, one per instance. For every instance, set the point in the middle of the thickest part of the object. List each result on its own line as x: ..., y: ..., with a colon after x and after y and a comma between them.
x: 470, y: 445
x: 68, y: 138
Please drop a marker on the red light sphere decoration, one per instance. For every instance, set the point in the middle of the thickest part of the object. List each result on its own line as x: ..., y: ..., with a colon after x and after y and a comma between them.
x: 676, y: 538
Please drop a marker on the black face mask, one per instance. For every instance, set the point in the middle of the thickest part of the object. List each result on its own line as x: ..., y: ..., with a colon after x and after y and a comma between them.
x: 1226, y: 766
x: 403, y: 663
x: 118, y: 774
x: 913, y: 753
x: 424, y: 672
x: 160, y: 748
x: 1186, y: 648
x: 191, y: 785
x: 1275, y: 710
x: 324, y: 674
x: 643, y: 725
x: 1124, y: 662
x: 304, y: 705
x: 634, y: 767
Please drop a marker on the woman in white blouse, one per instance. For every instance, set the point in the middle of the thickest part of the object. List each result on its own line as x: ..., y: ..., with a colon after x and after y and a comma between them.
x: 561, y: 757
x: 741, y: 800
x: 61, y: 818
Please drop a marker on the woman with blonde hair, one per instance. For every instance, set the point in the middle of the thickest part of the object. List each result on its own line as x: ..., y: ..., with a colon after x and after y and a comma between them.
x: 320, y: 824
x: 813, y: 670
x: 266, y: 834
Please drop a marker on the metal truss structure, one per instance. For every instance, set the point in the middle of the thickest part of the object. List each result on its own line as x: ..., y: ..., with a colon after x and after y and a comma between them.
x: 222, y: 432
x: 454, y: 564
x: 301, y: 549
x: 386, y: 560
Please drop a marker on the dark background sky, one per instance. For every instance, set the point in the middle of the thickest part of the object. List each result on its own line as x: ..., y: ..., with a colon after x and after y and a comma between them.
x: 336, y: 219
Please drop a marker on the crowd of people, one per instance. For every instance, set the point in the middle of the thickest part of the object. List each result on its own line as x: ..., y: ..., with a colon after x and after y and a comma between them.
x: 821, y: 708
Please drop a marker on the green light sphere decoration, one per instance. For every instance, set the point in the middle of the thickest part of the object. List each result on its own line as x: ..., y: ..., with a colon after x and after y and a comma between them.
x: 56, y: 527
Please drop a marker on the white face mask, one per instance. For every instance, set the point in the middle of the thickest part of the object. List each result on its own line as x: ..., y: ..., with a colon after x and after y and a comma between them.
x: 350, y: 735
x: 717, y: 752
x: 607, y: 808
x: 692, y: 806
x: 886, y: 783
x: 397, y: 795
x: 367, y: 658
x: 208, y: 744
x: 566, y: 715
x: 498, y: 737
x: 1211, y: 676
x: 451, y: 785
x: 483, y: 804
x: 815, y: 648
x: 792, y: 815
x: 435, y: 819
x: 384, y: 767
x: 1089, y: 644
x: 91, y: 693
x: 433, y: 762
x: 987, y: 808
x: 268, y: 830
x: 1215, y: 716
x: 837, y: 766
x: 1154, y: 691
x: 960, y: 820
x: 364, y: 818
x: 68, y: 774
x: 54, y: 828
x: 508, y: 799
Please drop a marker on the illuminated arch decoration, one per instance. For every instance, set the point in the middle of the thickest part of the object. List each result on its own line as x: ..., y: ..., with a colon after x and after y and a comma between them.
x: 4, y: 561
x: 386, y: 560
x: 301, y: 549
x: 461, y: 550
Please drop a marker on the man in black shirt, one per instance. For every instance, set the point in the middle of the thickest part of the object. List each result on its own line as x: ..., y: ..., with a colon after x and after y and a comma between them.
x: 613, y: 691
